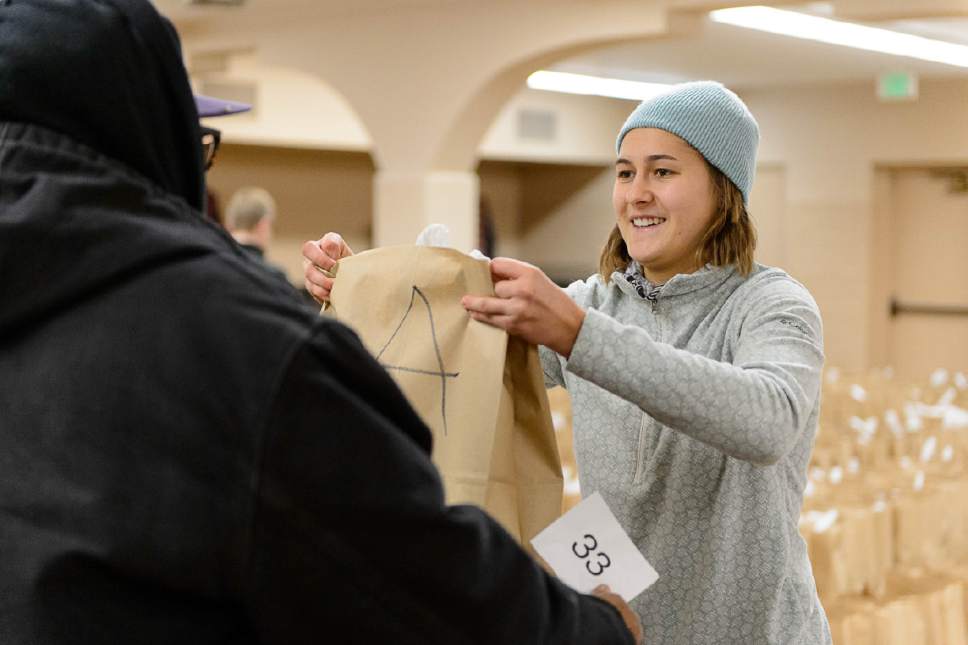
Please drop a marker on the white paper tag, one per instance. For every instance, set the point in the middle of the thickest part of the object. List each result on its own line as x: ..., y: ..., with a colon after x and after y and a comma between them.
x: 586, y: 547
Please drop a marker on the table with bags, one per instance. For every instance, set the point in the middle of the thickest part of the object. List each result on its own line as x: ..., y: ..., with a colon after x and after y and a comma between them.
x: 885, y: 513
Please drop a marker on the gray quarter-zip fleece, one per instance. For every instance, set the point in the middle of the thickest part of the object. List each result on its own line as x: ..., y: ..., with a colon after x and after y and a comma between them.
x: 694, y: 417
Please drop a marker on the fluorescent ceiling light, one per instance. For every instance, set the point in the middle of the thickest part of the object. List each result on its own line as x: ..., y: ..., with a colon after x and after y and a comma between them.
x: 594, y: 85
x: 837, y: 32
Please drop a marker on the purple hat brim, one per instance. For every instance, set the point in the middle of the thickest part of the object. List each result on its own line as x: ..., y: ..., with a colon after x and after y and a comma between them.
x: 209, y: 106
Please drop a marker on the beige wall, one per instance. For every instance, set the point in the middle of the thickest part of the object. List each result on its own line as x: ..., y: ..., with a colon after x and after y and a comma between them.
x: 291, y: 108
x: 831, y: 140
x: 929, y: 257
x: 567, y: 217
x: 316, y: 191
x: 556, y: 216
x: 501, y: 188
x: 586, y: 128
x: 768, y: 210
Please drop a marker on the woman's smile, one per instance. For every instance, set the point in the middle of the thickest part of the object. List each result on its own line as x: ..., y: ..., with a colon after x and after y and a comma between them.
x: 647, y: 222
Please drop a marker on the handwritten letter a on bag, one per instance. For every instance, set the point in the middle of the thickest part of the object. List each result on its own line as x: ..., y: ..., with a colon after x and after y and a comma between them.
x: 480, y: 391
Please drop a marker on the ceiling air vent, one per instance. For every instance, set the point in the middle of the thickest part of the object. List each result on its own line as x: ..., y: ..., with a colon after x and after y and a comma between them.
x: 537, y: 125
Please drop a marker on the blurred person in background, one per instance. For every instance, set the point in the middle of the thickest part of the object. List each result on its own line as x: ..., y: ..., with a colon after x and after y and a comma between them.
x: 249, y: 217
x: 694, y: 376
x: 187, y: 455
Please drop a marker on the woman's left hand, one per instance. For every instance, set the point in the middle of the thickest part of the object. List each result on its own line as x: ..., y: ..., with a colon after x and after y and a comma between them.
x: 529, y: 305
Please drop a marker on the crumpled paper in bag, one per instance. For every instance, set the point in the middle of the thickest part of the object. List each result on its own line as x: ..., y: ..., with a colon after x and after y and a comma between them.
x: 439, y: 235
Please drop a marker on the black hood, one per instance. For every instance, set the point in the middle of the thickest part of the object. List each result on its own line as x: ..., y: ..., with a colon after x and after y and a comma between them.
x: 101, y: 176
x: 109, y: 74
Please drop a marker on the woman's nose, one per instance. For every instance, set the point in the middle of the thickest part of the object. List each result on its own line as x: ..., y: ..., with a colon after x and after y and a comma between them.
x: 639, y: 191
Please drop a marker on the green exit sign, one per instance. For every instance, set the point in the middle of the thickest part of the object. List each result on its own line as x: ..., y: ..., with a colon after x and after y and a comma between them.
x: 897, y: 86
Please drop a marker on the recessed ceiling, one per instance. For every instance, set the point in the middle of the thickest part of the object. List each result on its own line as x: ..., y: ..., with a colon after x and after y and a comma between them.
x: 953, y: 30
x: 743, y: 58
x: 740, y: 58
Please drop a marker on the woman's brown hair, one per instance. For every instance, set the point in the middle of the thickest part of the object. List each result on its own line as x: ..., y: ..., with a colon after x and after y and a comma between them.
x: 730, y: 238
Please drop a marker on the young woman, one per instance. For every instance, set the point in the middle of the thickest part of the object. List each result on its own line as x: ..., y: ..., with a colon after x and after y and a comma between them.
x: 694, y: 375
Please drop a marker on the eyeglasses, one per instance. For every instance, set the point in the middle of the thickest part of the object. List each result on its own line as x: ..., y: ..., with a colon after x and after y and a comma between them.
x: 210, y: 140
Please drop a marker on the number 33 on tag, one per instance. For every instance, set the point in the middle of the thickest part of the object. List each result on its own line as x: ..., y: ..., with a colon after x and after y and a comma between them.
x: 587, y: 547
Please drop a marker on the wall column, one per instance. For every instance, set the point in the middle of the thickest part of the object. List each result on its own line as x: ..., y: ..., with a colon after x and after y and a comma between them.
x: 404, y: 203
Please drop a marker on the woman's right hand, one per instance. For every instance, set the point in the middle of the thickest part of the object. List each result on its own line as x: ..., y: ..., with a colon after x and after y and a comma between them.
x: 319, y: 258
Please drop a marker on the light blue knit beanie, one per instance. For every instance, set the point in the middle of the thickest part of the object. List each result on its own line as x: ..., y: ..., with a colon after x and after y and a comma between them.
x: 712, y: 120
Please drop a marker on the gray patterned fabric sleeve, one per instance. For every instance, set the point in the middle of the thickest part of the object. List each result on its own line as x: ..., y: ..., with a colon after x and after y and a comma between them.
x: 551, y: 366
x: 550, y: 361
x: 753, y: 408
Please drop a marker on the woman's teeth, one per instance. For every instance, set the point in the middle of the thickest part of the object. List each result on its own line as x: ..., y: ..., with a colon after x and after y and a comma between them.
x: 642, y: 222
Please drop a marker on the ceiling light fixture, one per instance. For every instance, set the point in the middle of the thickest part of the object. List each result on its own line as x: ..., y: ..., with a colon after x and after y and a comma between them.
x: 593, y: 85
x: 848, y: 34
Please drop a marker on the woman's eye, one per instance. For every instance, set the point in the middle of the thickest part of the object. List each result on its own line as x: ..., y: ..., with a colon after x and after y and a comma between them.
x: 624, y: 174
x: 662, y: 172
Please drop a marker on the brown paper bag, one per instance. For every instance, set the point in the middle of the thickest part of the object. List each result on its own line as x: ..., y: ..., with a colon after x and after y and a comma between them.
x: 480, y: 391
x: 851, y: 621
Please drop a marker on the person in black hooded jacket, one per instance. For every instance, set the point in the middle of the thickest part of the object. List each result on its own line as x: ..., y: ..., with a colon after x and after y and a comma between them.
x: 187, y: 455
